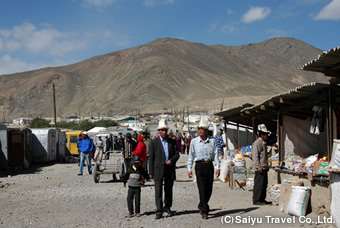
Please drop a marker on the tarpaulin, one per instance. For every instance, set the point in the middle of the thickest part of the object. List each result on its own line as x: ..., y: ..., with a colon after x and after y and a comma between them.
x: 298, y: 141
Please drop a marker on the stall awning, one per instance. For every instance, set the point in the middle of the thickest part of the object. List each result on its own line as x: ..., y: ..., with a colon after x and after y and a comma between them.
x: 327, y: 63
x: 234, y: 115
x: 290, y: 101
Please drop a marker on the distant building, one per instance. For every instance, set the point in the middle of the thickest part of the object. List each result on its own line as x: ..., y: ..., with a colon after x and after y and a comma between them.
x: 22, y: 121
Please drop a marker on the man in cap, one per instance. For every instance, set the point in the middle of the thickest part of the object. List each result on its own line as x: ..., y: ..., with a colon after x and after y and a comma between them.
x: 85, y: 146
x: 260, y: 166
x: 203, y: 152
x: 130, y: 146
x: 219, y: 142
x: 163, y: 155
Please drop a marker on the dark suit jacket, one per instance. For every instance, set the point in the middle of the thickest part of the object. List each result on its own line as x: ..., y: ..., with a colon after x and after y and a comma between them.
x: 157, y: 158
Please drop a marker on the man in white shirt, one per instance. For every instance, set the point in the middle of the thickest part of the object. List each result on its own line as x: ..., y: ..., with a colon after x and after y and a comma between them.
x: 203, y: 152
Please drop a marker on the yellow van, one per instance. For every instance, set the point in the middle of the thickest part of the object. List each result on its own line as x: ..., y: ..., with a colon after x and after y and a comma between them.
x: 71, y: 142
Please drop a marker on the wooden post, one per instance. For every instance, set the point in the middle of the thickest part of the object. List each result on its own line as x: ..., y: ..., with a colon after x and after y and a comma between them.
x: 332, y: 121
x: 254, y: 128
x: 55, y: 107
x: 280, y: 137
x: 226, y: 134
x: 238, y: 135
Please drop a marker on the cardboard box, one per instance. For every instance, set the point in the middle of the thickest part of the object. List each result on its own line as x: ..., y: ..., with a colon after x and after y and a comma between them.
x: 316, y: 167
x: 274, y: 163
x: 310, y: 176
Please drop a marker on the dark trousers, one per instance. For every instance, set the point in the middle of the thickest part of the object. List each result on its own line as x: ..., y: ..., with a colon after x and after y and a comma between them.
x: 127, y: 163
x: 260, y: 186
x: 183, y: 149
x: 205, y: 179
x: 168, y: 184
x: 134, y: 192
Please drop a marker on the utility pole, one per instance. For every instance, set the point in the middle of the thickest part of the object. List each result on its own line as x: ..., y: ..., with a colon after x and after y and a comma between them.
x: 188, y: 121
x: 55, y: 107
x: 79, y: 112
x: 183, y: 119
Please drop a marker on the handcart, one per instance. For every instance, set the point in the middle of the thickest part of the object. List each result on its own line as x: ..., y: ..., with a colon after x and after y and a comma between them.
x: 114, y: 164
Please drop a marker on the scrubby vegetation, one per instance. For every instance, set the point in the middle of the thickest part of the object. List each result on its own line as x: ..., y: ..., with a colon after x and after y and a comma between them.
x: 84, y: 125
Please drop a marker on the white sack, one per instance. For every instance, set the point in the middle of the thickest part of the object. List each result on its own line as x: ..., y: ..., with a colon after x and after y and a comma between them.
x: 298, y: 201
x: 224, y: 169
x: 335, y: 203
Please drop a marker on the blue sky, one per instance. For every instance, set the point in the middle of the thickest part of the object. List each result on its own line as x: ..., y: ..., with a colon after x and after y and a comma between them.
x: 42, y: 33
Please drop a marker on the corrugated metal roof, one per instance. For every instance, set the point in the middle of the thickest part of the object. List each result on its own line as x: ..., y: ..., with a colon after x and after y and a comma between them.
x: 300, y: 92
x: 234, y: 115
x: 327, y: 63
x: 232, y: 111
x: 304, y: 95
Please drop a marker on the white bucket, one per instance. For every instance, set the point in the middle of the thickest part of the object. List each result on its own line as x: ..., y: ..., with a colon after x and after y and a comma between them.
x: 250, y: 184
x: 240, y: 163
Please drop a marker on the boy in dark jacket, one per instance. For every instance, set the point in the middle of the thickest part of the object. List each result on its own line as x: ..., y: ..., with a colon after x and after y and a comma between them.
x: 134, y: 177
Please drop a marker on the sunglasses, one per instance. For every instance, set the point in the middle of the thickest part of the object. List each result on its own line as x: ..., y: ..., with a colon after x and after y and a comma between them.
x: 163, y: 129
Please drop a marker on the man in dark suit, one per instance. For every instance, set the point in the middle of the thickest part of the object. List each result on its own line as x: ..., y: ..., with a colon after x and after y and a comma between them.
x: 163, y: 155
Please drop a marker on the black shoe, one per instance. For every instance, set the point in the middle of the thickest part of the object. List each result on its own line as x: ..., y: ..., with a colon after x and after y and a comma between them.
x: 80, y: 174
x: 129, y: 215
x: 200, y: 211
x: 259, y: 204
x: 204, y: 216
x: 158, y: 216
x: 169, y: 212
x: 90, y: 173
x: 266, y: 202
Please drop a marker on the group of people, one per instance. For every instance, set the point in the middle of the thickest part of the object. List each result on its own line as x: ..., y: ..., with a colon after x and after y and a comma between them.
x: 183, y: 142
x: 163, y: 153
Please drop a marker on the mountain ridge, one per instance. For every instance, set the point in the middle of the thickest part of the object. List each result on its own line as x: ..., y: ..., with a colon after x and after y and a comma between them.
x: 163, y: 74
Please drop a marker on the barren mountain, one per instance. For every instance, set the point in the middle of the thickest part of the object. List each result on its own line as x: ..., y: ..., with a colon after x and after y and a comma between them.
x: 165, y: 73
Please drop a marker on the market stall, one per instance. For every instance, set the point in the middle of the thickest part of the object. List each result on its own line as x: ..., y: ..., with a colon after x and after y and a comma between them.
x: 302, y: 145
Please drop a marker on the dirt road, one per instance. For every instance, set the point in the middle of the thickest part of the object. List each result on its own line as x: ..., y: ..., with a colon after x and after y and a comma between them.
x: 54, y: 196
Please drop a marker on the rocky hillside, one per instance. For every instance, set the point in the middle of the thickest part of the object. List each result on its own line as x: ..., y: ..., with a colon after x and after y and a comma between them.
x: 165, y: 73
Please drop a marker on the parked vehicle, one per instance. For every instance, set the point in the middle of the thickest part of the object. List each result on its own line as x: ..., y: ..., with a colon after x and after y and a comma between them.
x: 72, y: 138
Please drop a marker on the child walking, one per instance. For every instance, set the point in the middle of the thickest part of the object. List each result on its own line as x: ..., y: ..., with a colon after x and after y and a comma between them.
x: 134, y: 177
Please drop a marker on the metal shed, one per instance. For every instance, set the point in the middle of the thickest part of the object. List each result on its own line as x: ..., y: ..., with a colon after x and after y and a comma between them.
x: 44, y: 145
x: 3, y: 147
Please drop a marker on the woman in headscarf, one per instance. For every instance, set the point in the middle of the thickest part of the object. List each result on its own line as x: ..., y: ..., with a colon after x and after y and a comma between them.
x: 141, y: 150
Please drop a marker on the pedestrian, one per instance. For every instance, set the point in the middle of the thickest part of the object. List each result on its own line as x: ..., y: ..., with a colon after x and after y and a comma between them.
x: 178, y: 142
x: 85, y: 147
x: 134, y: 137
x: 203, y: 152
x: 98, y: 155
x: 121, y: 141
x: 108, y: 147
x: 184, y: 138
x: 130, y: 146
x: 219, y: 142
x: 141, y: 150
x: 134, y: 177
x: 163, y: 155
x: 108, y: 144
x: 80, y: 137
x: 146, y: 142
x: 260, y: 166
x: 187, y: 144
x: 115, y: 143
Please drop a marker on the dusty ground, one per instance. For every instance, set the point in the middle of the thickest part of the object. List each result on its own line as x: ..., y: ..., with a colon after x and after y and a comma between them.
x: 54, y: 196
